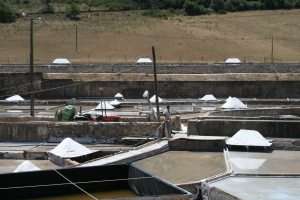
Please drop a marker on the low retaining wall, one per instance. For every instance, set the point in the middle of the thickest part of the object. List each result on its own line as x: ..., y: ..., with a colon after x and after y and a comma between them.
x: 268, y: 128
x: 79, y: 131
x: 166, y: 68
x: 256, y: 112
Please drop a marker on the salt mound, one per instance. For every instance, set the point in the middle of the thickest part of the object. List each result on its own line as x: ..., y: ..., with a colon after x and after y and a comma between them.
x: 153, y: 99
x: 69, y: 148
x: 229, y: 98
x: 183, y: 127
x: 248, y: 138
x: 115, y: 103
x: 26, y: 166
x: 103, y: 106
x: 119, y: 95
x: 234, y: 103
x: 209, y: 97
x: 14, y: 98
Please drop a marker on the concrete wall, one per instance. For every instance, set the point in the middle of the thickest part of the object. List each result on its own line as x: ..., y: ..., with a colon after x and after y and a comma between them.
x: 184, y: 144
x: 168, y: 68
x: 256, y: 112
x: 81, y: 131
x: 258, y: 89
x: 223, y: 127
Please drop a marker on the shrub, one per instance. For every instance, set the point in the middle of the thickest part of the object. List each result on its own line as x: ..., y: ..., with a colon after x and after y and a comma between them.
x: 288, y: 4
x: 217, y: 5
x: 297, y: 4
x: 26, y: 1
x: 6, y: 14
x: 72, y: 10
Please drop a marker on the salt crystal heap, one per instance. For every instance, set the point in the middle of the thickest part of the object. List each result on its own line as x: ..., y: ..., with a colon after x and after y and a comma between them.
x: 234, y: 103
x: 209, y: 97
x: 115, y: 103
x: 103, y: 106
x: 248, y: 138
x: 26, y: 166
x: 14, y: 98
x: 69, y: 148
x: 153, y: 99
x: 228, y: 98
x: 119, y: 96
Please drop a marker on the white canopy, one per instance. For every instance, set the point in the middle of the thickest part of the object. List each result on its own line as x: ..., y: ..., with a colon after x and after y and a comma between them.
x: 26, y: 166
x: 144, y: 60
x: 153, y: 99
x: 61, y: 61
x: 14, y: 98
x: 233, y: 60
x: 209, y: 97
x: 103, y: 106
x: 234, y: 103
x: 69, y: 148
x: 248, y: 138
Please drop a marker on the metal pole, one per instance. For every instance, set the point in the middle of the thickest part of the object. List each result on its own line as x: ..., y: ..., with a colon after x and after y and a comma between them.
x: 155, y: 78
x: 31, y: 70
x: 272, y: 59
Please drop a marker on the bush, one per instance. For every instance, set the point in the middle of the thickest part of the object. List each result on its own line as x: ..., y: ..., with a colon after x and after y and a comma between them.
x: 297, y: 4
x: 72, y: 10
x: 6, y: 14
x: 288, y: 4
x: 26, y: 1
x: 217, y: 5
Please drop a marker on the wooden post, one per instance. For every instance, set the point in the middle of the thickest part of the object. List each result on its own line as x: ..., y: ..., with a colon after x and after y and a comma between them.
x: 155, y: 79
x: 180, y: 58
x: 76, y: 38
x: 110, y: 58
x: 272, y: 59
x: 202, y: 58
x: 244, y: 59
x: 125, y: 58
x: 7, y: 60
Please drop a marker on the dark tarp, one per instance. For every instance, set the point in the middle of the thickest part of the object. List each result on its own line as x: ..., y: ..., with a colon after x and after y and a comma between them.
x: 150, y: 186
x: 145, y: 187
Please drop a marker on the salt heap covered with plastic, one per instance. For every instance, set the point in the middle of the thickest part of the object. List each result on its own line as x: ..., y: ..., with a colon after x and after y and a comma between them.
x: 153, y: 99
x: 234, y: 103
x: 248, y: 138
x: 14, y: 98
x: 26, y: 166
x: 69, y: 148
x: 209, y: 97
x: 104, y: 105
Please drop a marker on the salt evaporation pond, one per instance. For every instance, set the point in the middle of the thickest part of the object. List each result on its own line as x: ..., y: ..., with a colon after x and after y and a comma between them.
x: 99, y: 195
x: 274, y: 162
x: 184, y: 166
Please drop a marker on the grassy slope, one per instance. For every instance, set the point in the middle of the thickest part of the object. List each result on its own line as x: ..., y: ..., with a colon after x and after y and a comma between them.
x: 214, y: 37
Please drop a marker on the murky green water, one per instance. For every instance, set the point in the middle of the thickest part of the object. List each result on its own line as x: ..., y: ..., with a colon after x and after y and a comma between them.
x: 98, y: 195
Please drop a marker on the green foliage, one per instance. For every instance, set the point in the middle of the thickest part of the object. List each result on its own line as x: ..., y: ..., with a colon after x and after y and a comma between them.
x: 48, y: 8
x: 72, y: 10
x: 154, y: 14
x: 18, y: 1
x: 6, y: 14
x: 217, y: 5
x: 26, y: 1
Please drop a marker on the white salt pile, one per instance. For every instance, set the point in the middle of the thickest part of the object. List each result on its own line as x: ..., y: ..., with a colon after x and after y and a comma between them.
x: 26, y: 166
x: 234, y: 103
x: 248, y: 138
x: 144, y: 60
x: 228, y: 98
x: 103, y: 106
x: 61, y: 61
x: 119, y: 95
x: 208, y: 97
x: 153, y: 99
x: 115, y: 103
x: 183, y: 127
x: 14, y: 98
x: 69, y: 148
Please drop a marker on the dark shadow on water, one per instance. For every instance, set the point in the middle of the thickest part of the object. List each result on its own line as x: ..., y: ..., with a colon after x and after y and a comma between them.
x: 251, y: 149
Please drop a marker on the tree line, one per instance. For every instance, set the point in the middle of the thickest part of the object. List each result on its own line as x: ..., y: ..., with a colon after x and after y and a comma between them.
x: 155, y: 8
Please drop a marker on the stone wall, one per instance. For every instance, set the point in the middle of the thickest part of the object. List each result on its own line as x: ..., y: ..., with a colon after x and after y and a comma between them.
x: 79, y: 131
x: 167, y: 68
x: 226, y: 127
